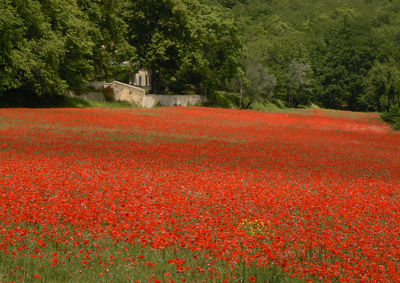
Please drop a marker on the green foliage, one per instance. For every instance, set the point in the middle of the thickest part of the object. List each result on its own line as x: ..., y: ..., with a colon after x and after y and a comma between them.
x: 162, y: 33
x: 112, y: 53
x: 261, y: 83
x: 227, y: 99
x: 264, y: 106
x: 51, y: 47
x: 342, y: 61
x: 102, y: 260
x: 101, y: 104
x: 219, y: 49
x: 31, y: 100
x: 12, y: 48
x: 185, y: 42
x: 232, y: 100
x: 340, y: 41
x: 336, y: 53
x: 298, y: 84
x: 275, y: 105
x: 108, y: 93
x: 382, y: 86
x: 392, y: 117
x: 45, y: 46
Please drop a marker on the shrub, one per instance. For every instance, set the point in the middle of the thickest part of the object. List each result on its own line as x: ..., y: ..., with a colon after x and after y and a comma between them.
x: 227, y: 99
x: 392, y: 117
x: 108, y: 93
x: 263, y: 106
x: 280, y: 103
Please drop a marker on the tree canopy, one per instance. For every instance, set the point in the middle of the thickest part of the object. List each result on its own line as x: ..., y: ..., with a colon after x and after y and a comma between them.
x: 347, y: 47
x: 335, y: 53
x: 45, y: 46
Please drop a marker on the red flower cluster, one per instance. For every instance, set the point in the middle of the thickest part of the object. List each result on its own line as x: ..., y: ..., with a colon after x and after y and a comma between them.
x: 317, y: 194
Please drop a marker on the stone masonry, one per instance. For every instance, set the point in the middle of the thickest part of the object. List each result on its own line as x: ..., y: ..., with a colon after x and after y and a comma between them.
x: 152, y: 100
x: 128, y: 93
x: 137, y: 96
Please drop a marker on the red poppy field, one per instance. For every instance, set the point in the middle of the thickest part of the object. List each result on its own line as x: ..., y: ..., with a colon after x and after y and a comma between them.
x: 197, y: 194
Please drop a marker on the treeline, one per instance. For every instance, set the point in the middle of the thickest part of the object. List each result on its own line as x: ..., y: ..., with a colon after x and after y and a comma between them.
x: 335, y: 53
x: 52, y: 46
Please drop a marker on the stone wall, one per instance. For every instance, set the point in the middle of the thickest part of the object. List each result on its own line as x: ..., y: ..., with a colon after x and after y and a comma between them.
x: 96, y: 96
x: 99, y: 85
x: 152, y: 100
x: 128, y: 93
x: 137, y: 96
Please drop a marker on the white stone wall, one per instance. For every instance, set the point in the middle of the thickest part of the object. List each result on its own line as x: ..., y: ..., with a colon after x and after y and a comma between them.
x: 97, y: 85
x: 128, y: 93
x: 137, y: 96
x: 96, y: 96
x: 152, y: 100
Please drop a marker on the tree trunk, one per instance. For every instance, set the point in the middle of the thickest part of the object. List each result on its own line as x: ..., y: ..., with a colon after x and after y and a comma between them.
x: 155, y: 80
x: 241, y: 93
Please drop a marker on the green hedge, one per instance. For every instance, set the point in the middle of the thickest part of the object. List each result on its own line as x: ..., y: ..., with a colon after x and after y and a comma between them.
x: 392, y: 117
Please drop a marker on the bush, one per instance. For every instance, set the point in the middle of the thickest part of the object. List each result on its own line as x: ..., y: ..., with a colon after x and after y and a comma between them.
x: 263, y: 106
x: 227, y: 99
x: 280, y: 103
x: 392, y: 117
x: 108, y: 93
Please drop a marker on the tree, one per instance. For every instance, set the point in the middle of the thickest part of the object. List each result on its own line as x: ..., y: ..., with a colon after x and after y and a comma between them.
x: 239, y: 83
x: 45, y: 46
x: 261, y: 83
x: 12, y: 47
x: 342, y: 59
x: 71, y: 26
x: 162, y: 33
x: 382, y: 86
x: 109, y: 31
x: 299, y: 84
x: 216, y: 53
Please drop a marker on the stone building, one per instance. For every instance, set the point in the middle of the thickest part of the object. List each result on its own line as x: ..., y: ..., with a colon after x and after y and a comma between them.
x: 141, y: 79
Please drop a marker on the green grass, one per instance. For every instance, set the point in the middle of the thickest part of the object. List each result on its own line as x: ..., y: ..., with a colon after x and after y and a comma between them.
x: 232, y: 100
x: 227, y: 99
x: 76, y: 102
x: 84, y: 259
x: 266, y: 106
x: 31, y: 100
x: 81, y: 103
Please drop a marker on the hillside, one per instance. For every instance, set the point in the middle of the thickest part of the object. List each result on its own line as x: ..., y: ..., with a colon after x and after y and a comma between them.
x: 334, y: 53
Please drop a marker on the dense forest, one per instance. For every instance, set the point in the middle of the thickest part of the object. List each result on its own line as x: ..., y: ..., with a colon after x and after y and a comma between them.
x: 340, y: 54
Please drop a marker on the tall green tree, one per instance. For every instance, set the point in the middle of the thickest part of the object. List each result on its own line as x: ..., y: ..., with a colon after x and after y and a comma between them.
x: 261, y: 84
x: 299, y: 84
x: 162, y: 32
x: 343, y: 58
x: 14, y: 53
x: 112, y: 53
x: 45, y: 46
x: 217, y: 51
x: 382, y: 86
